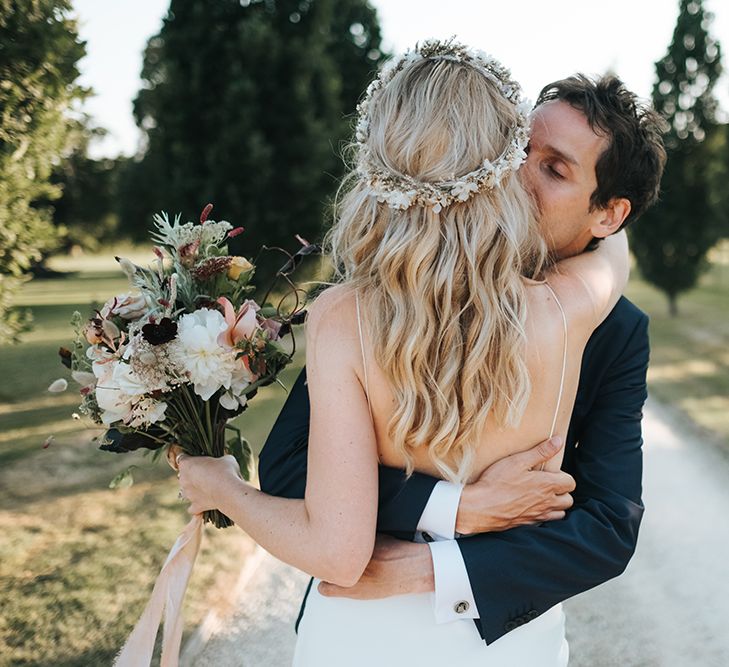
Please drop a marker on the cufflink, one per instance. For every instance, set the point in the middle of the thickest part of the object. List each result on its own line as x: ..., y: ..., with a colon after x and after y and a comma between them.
x: 461, y: 607
x: 428, y: 537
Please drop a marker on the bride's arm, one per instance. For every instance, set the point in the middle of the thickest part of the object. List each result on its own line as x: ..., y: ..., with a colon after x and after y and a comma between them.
x: 594, y: 280
x: 330, y: 534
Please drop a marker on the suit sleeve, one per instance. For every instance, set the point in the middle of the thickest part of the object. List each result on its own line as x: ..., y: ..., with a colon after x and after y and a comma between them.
x: 283, y: 461
x: 518, y: 574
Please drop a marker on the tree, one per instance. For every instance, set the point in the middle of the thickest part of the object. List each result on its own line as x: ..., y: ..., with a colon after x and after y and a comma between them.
x: 39, y: 52
x: 86, y: 209
x: 672, y: 241
x: 244, y: 105
x: 718, y: 142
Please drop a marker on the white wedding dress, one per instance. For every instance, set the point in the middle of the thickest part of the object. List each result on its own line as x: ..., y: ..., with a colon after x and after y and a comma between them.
x: 401, y: 630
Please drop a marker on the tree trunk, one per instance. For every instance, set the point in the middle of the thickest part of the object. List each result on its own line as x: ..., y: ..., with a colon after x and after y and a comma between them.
x: 672, y: 305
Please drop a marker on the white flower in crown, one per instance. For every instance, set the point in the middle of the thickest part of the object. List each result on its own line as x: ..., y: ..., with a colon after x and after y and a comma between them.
x: 482, y: 55
x: 464, y: 189
x: 518, y: 159
x: 525, y: 108
x: 502, y: 168
x: 398, y: 199
x: 388, y: 69
x: 207, y: 364
x: 363, y: 127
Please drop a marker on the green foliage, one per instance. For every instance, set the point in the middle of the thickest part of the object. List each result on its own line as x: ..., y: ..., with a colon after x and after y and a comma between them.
x: 39, y: 51
x: 245, y: 105
x: 718, y: 141
x: 238, y: 447
x: 124, y: 479
x: 672, y: 240
x: 86, y: 208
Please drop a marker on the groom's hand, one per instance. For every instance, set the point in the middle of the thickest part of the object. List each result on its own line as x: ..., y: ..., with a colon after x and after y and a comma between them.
x: 396, y: 568
x: 514, y: 492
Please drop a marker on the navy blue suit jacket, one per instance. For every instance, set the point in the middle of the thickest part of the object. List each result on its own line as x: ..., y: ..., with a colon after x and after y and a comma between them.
x: 518, y: 574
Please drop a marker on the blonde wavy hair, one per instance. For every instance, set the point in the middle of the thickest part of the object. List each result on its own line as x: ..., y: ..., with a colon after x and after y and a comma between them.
x: 443, y: 292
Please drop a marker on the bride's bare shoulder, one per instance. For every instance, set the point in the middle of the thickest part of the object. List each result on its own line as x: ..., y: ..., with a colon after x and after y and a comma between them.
x: 333, y: 310
x: 331, y: 331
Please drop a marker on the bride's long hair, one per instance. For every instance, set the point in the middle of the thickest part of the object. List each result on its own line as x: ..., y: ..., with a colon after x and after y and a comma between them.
x: 442, y: 292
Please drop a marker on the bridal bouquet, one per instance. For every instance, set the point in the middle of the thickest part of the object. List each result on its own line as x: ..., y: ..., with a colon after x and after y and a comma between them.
x: 172, y: 361
x: 182, y: 353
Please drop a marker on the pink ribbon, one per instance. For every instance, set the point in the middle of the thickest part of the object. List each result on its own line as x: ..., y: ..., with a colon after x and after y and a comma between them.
x: 167, y: 596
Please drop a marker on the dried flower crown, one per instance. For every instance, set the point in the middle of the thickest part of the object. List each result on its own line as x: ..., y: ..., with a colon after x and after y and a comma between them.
x: 400, y: 191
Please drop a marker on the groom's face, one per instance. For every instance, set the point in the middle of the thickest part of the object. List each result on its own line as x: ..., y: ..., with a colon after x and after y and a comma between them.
x: 560, y: 174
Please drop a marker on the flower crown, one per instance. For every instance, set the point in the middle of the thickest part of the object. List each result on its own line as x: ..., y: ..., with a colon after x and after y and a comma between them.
x: 399, y: 191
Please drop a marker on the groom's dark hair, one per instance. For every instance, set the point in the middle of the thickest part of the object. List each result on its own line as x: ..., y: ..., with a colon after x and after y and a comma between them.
x: 632, y: 165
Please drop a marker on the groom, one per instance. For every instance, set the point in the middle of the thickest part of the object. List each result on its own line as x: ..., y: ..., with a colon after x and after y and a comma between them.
x: 594, y: 165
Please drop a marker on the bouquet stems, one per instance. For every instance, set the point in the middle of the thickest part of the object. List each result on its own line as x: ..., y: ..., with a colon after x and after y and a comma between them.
x: 217, y: 449
x: 201, y: 432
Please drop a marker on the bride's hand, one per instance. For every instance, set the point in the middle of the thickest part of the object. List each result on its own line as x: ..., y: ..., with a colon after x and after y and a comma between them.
x: 201, y: 477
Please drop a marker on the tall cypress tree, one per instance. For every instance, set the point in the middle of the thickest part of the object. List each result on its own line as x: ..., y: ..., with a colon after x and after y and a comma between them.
x: 671, y: 242
x: 245, y: 105
x: 39, y: 52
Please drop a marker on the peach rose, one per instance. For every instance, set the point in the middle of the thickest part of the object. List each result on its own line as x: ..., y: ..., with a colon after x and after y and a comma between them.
x: 241, y: 325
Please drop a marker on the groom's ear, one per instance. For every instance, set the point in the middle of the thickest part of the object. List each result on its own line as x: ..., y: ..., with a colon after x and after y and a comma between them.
x: 611, y: 217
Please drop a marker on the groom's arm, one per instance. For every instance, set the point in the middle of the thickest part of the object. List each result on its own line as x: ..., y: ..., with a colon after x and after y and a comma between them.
x: 518, y: 574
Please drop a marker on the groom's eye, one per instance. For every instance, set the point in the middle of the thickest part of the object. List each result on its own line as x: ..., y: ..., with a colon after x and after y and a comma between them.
x: 553, y: 173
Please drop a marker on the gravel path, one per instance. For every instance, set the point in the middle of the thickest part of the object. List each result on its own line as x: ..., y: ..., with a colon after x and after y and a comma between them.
x: 671, y: 606
x: 260, y: 632
x: 669, y: 609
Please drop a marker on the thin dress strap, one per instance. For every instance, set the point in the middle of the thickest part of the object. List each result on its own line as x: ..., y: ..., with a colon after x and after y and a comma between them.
x: 364, y: 358
x: 564, y: 359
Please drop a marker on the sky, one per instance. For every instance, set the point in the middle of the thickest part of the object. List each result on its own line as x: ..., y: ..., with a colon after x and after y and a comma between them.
x: 539, y: 40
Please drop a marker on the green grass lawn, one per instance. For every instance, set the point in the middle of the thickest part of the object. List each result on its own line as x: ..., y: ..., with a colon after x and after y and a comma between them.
x: 689, y: 366
x: 77, y: 560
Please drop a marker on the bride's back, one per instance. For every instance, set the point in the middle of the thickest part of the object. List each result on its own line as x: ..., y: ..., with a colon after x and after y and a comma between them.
x: 550, y: 401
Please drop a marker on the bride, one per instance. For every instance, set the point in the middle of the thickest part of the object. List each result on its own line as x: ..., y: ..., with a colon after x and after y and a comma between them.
x: 448, y: 343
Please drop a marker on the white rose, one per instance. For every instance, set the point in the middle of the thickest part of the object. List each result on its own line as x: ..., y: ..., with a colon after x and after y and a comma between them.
x: 115, y: 404
x: 241, y: 379
x: 125, y: 378
x: 208, y: 365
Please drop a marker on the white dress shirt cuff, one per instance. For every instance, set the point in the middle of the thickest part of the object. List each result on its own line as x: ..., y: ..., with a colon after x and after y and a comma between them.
x: 453, y: 599
x: 439, y: 516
